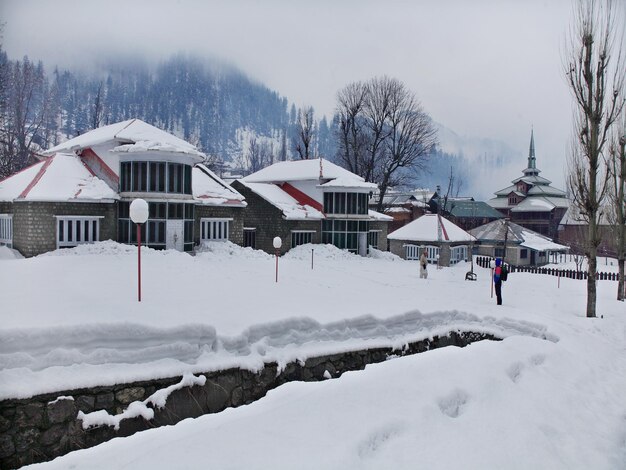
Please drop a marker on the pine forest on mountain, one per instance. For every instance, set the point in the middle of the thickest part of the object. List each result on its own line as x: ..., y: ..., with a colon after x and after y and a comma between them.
x: 227, y: 115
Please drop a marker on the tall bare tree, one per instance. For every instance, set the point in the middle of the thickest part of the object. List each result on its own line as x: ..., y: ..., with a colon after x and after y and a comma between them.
x: 617, y: 204
x: 351, y: 137
x: 305, y: 129
x: 595, y: 74
x: 384, y: 134
x: 411, y: 138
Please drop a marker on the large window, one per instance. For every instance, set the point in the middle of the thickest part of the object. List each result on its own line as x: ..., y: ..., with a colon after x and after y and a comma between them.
x: 77, y: 230
x: 156, y: 177
x: 214, y: 229
x: 249, y: 237
x: 344, y: 234
x: 6, y: 230
x: 154, y: 231
x: 458, y: 254
x: 372, y: 238
x: 301, y: 237
x: 345, y: 203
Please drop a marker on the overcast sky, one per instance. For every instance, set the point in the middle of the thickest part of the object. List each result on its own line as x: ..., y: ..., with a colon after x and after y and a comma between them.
x: 482, y: 68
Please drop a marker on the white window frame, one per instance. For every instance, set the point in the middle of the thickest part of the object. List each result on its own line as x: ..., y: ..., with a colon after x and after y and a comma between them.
x: 6, y: 230
x: 301, y: 232
x: 413, y: 252
x: 74, y: 219
x: 214, y: 229
x: 458, y: 254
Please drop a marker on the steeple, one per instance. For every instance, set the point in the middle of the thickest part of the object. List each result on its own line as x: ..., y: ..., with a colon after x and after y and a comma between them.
x: 531, y: 169
x: 531, y: 151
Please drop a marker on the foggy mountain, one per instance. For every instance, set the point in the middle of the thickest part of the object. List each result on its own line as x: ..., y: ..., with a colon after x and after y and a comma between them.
x: 225, y: 113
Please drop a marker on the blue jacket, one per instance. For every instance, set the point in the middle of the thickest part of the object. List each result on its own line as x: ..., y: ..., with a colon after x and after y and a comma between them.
x: 497, y: 271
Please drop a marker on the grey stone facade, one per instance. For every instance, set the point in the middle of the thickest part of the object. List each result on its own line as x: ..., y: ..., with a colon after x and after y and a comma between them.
x: 268, y: 221
x: 221, y: 212
x: 383, y: 243
x: 34, y: 223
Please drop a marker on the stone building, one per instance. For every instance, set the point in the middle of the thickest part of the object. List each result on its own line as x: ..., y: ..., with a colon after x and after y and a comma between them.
x: 310, y: 201
x: 81, y: 193
x: 530, y: 201
x: 446, y: 243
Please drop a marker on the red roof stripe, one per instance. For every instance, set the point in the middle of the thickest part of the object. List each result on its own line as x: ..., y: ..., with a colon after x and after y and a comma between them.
x: 89, y: 154
x: 37, y: 177
x: 302, y: 198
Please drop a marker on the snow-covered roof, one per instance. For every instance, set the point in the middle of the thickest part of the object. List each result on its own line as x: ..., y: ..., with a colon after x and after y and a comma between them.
x: 506, y: 191
x: 499, y: 203
x: 496, y: 232
x: 349, y: 182
x: 426, y: 229
x: 299, y: 170
x: 534, y: 204
x: 209, y: 189
x: 538, y: 242
x: 545, y: 190
x: 61, y: 177
x: 534, y: 180
x: 292, y: 209
x: 133, y: 135
x: 378, y: 216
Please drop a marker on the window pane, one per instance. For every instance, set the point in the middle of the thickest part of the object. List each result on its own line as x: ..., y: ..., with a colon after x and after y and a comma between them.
x: 61, y: 230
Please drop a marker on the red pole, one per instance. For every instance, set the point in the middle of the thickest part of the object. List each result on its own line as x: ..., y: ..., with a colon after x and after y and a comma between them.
x: 276, y: 265
x: 492, y: 283
x: 138, y: 263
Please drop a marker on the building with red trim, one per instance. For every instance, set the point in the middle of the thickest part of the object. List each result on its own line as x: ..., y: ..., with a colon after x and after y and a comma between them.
x: 81, y: 193
x: 310, y: 201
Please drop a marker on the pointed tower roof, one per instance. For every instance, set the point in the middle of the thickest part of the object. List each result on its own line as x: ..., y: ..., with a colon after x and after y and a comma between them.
x: 531, y: 170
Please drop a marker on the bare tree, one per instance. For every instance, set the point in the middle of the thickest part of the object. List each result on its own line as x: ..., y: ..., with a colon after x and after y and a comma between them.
x: 411, y: 137
x: 596, y: 79
x: 28, y: 99
x: 617, y: 216
x: 350, y: 134
x: 305, y: 126
x: 383, y: 132
x: 97, y: 112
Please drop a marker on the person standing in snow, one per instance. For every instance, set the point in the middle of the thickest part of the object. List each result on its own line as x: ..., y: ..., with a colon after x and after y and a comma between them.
x: 423, y: 265
x: 497, y: 280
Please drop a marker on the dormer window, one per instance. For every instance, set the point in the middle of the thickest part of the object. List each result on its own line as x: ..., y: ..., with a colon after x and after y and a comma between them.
x: 345, y: 203
x: 512, y: 200
x: 155, y: 177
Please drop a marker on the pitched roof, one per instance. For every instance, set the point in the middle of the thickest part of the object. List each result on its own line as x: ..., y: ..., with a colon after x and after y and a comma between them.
x: 496, y: 232
x: 478, y: 209
x: 299, y: 170
x: 291, y: 208
x: 426, y: 229
x: 209, y: 189
x: 61, y: 177
x: 133, y: 135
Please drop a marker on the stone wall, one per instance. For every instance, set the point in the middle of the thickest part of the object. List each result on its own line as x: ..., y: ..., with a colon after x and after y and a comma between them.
x: 382, y: 235
x: 235, y: 226
x: 269, y: 222
x: 43, y: 427
x: 34, y: 223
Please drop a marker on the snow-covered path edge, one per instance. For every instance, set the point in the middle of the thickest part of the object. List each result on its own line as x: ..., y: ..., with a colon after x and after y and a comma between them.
x: 108, y: 354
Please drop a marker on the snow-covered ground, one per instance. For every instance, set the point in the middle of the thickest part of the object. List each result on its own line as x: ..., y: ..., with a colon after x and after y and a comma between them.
x: 551, y: 395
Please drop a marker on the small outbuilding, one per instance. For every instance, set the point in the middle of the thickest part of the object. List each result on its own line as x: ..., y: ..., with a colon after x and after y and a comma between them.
x: 523, y: 246
x: 445, y: 242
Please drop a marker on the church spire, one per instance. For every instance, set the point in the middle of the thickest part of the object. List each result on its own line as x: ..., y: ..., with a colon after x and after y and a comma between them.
x: 531, y: 152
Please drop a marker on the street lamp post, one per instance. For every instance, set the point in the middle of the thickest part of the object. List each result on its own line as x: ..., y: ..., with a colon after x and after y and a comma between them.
x: 277, y: 244
x: 139, y: 212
